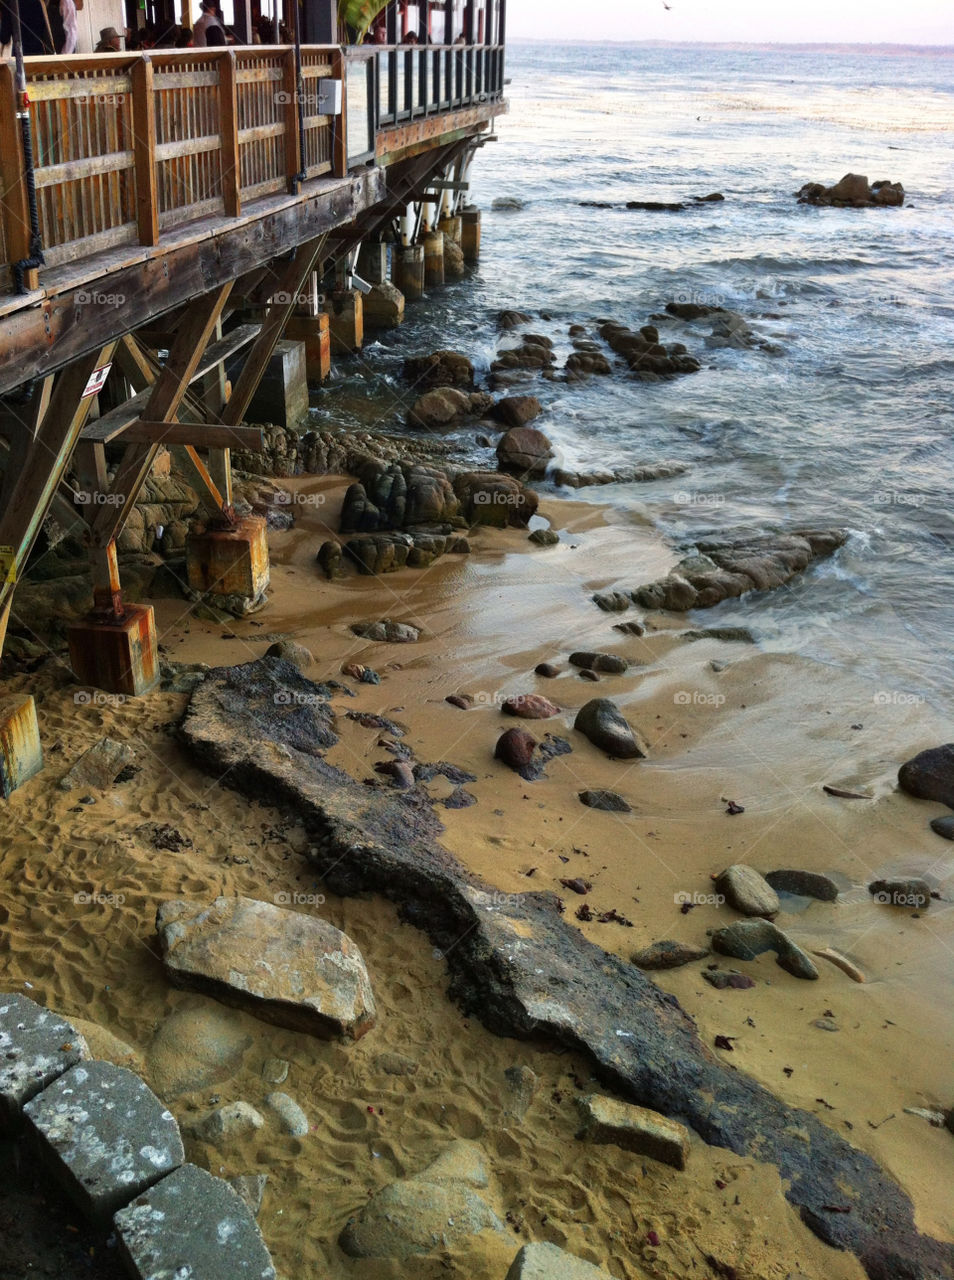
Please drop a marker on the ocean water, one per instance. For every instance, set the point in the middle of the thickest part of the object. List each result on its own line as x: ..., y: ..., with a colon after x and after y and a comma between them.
x: 852, y: 424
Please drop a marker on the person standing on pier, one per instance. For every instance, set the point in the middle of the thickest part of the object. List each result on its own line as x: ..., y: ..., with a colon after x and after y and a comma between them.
x: 209, y: 18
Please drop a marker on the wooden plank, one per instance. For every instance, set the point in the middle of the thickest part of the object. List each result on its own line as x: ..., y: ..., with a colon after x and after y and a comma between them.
x: 144, y: 114
x: 174, y: 217
x: 261, y: 131
x: 182, y: 147
x: 55, y: 175
x: 90, y: 245
x: 293, y: 156
x: 197, y: 473
x: 176, y: 80
x: 202, y: 435
x: 259, y: 75
x: 230, y: 166
x: 78, y: 87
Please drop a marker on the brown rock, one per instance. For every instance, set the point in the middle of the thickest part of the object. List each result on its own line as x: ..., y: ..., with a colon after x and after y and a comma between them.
x: 530, y: 706
x: 525, y: 451
x: 515, y: 748
x: 517, y: 411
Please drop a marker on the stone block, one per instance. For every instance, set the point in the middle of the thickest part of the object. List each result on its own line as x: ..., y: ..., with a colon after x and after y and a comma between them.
x: 105, y: 1135
x: 634, y: 1129
x: 550, y: 1262
x: 36, y: 1047
x: 191, y: 1224
x: 282, y: 394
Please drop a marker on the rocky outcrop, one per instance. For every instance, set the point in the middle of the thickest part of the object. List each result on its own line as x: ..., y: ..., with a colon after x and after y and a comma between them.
x: 852, y: 192
x: 397, y: 496
x: 284, y: 967
x: 376, y: 553
x: 581, y: 364
x: 638, y: 474
x: 645, y: 354
x: 731, y: 565
x: 524, y: 451
x: 440, y: 369
x: 446, y: 407
x: 488, y: 497
x: 534, y: 354
x: 528, y: 972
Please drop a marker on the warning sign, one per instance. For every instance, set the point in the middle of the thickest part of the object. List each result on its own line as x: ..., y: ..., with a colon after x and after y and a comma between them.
x: 97, y: 380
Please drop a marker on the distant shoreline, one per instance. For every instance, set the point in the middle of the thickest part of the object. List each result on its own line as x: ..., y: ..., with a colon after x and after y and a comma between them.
x: 944, y: 50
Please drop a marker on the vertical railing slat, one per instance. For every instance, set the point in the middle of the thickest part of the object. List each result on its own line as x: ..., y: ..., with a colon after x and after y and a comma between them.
x: 144, y: 148
x: 228, y: 135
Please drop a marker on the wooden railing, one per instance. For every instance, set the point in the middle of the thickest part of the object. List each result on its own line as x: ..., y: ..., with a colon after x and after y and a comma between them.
x: 128, y: 147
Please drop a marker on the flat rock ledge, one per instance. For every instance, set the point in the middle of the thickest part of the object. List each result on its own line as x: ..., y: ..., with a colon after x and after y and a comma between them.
x: 284, y: 967
x: 116, y: 1150
x: 526, y: 972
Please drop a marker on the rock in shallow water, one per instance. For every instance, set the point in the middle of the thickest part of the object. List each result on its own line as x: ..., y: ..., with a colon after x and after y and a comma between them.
x: 284, y: 967
x: 746, y: 939
x: 930, y: 775
x: 608, y: 663
x: 387, y: 631
x: 530, y: 706
x: 603, y: 723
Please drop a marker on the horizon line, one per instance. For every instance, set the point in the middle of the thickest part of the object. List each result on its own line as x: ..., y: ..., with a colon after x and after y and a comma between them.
x: 740, y: 44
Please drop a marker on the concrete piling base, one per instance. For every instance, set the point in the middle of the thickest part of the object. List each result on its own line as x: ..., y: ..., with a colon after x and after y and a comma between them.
x: 451, y: 227
x: 470, y: 235
x: 281, y: 398
x: 118, y: 656
x: 433, y: 259
x: 345, y: 308
x: 232, y: 561
x: 315, y: 333
x: 407, y: 271
x: 373, y: 262
x: 21, y: 755
x: 383, y: 306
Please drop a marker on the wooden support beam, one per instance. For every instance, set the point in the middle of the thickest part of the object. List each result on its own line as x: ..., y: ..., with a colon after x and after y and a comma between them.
x: 201, y: 435
x: 195, y: 469
x: 144, y: 150
x: 228, y: 135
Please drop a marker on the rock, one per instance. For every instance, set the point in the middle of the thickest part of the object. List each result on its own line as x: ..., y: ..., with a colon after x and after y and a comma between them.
x: 508, y: 203
x: 98, y: 766
x: 387, y: 631
x: 547, y: 670
x: 438, y: 1209
x: 639, y: 474
x: 609, y: 801
x: 541, y: 1261
x: 440, y: 369
x: 825, y: 1024
x: 512, y: 319
x: 930, y: 775
x: 520, y: 1090
x: 530, y: 706
x: 902, y: 891
x: 534, y: 352
x: 435, y: 410
x: 633, y: 1128
x: 691, y: 310
x: 670, y: 206
x: 515, y: 748
x: 274, y: 1070
x: 943, y: 827
x: 852, y: 191
x: 103, y: 1043
x: 455, y: 266
x: 36, y: 1047
x: 810, y: 884
x: 645, y: 354
x: 250, y: 1189
x: 729, y: 635
x: 853, y: 186
x: 517, y: 411
x: 601, y: 721
x: 712, y: 198
x: 106, y: 1135
x: 295, y: 970
x: 329, y: 559
x: 489, y: 497
x: 526, y: 971
x: 296, y: 654
x: 731, y: 565
x: 608, y: 663
x: 195, y: 1048
x: 746, y: 939
x: 580, y: 364
x: 544, y: 537
x: 524, y: 451
x: 383, y: 306
x: 396, y: 1064
x: 748, y: 891
x: 234, y: 1120
x: 668, y: 954
x: 887, y: 193
x: 721, y: 981
x: 191, y: 1224
x: 293, y: 1119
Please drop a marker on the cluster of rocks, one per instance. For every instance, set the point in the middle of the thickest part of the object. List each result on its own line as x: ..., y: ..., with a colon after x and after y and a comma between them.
x: 730, y: 565
x: 649, y: 359
x: 656, y: 206
x: 637, y: 474
x: 116, y: 1151
x: 853, y: 192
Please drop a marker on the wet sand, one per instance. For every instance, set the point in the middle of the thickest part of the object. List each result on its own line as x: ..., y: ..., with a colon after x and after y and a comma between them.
x: 767, y: 731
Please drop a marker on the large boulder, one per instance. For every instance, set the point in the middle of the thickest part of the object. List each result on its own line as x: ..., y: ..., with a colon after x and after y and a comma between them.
x: 524, y: 451
x: 853, y: 186
x: 517, y: 411
x: 383, y: 307
x: 489, y: 497
x: 438, y: 409
x: 295, y: 970
x: 930, y: 775
x: 603, y: 723
x: 440, y: 369
x: 852, y: 191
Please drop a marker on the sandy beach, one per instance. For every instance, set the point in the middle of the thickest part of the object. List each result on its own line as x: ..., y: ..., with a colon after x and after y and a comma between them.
x: 764, y: 730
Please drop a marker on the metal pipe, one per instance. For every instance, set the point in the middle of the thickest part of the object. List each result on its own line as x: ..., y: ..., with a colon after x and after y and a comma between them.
x: 23, y: 115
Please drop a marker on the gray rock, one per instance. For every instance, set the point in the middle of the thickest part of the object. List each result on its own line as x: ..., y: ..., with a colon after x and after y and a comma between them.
x: 602, y: 722
x: 98, y: 766
x: 106, y: 1136
x: 296, y: 654
x: 944, y: 827
x: 634, y: 1129
x: 461, y: 1161
x: 195, y: 1048
x: 544, y: 537
x: 234, y: 1120
x: 396, y: 1064
x: 612, y: 601
x: 293, y: 1119
x: 192, y: 1225
x: 668, y: 954
x: 930, y: 775
x: 610, y: 801
x: 748, y: 891
x: 608, y: 663
x: 36, y: 1047
x: 285, y: 967
x: 541, y: 1261
x: 250, y: 1188
x: 520, y: 1090
x: 387, y: 631
x: 729, y: 635
x: 746, y: 939
x: 902, y: 891
x: 275, y: 1071
x: 810, y: 884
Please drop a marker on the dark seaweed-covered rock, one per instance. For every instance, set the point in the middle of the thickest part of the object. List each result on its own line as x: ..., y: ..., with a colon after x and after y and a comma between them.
x: 527, y: 972
x: 930, y: 775
x: 603, y: 723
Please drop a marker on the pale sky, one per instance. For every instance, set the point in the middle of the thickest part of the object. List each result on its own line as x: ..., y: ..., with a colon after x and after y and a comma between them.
x: 837, y: 21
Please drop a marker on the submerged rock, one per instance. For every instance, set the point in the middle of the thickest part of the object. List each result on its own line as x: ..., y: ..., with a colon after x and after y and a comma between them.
x: 603, y: 723
x: 284, y: 967
x: 746, y: 939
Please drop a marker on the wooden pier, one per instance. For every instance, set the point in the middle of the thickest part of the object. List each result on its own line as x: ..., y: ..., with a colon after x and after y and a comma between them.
x: 177, y: 194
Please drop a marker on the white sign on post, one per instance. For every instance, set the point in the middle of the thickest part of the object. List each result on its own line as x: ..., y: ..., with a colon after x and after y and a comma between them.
x: 97, y: 380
